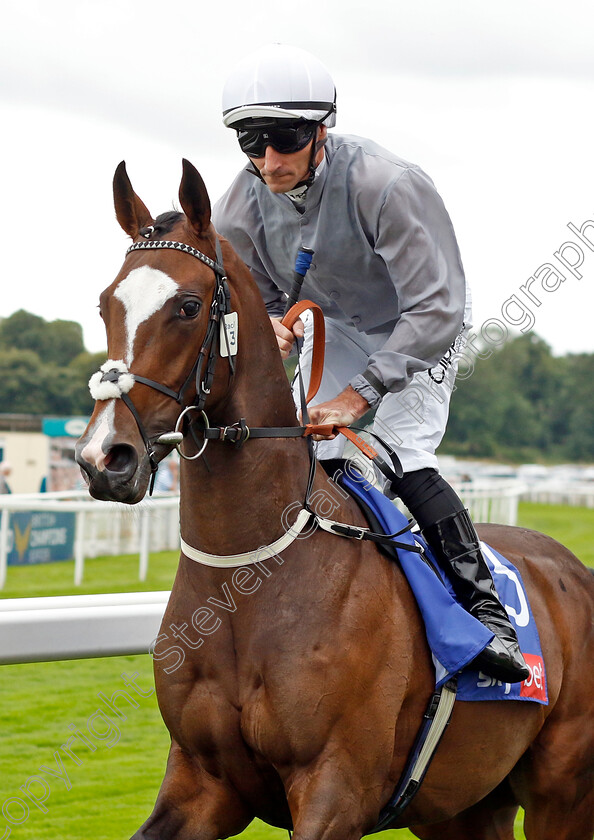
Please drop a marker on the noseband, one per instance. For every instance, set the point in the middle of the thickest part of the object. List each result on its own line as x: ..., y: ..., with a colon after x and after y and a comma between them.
x: 114, y: 380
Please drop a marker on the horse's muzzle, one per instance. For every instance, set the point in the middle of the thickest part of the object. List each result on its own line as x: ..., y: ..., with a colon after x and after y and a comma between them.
x: 114, y: 475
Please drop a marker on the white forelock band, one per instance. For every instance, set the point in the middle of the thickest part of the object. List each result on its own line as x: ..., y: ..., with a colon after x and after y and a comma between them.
x: 106, y: 390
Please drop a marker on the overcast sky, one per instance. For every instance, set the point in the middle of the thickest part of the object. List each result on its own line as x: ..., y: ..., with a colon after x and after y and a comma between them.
x: 494, y: 101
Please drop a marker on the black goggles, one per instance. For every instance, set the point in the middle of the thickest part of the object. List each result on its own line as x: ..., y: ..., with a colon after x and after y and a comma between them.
x: 286, y: 140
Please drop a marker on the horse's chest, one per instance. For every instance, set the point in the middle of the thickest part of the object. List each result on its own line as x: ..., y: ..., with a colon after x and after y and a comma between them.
x: 279, y: 725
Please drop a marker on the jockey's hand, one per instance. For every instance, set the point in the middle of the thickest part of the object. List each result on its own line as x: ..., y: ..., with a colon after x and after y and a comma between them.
x: 285, y: 337
x: 343, y: 410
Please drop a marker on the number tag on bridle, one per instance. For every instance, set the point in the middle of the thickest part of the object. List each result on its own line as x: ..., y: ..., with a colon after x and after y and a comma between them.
x: 228, y: 337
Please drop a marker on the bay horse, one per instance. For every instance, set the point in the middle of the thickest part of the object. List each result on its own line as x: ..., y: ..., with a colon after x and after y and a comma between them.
x: 293, y: 688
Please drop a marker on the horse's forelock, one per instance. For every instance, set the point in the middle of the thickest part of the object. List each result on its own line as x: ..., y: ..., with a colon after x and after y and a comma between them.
x: 165, y: 222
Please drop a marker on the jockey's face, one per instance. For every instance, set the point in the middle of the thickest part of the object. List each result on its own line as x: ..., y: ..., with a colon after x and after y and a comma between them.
x: 282, y: 172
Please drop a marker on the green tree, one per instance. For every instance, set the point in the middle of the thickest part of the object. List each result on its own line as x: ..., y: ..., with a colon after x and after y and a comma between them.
x: 475, y: 415
x: 64, y: 341
x: 44, y: 368
x: 23, y: 331
x: 58, y: 342
x: 532, y: 378
x: 507, y: 408
x: 23, y: 383
x: 574, y: 411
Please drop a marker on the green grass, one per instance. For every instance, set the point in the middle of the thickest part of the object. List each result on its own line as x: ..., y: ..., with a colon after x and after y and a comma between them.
x: 113, y: 789
x: 102, y: 574
x: 572, y: 526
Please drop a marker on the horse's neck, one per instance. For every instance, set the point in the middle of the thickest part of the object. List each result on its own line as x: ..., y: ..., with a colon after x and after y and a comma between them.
x: 234, y: 500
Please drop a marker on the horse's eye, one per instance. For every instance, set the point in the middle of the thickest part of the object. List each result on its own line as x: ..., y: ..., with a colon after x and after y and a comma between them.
x: 189, y: 309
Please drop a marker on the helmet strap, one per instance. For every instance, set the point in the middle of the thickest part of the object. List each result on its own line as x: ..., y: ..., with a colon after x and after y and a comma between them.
x: 255, y: 171
x: 315, y: 148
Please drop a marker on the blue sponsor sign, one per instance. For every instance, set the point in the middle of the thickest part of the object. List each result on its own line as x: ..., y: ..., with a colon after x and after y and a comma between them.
x: 40, y: 537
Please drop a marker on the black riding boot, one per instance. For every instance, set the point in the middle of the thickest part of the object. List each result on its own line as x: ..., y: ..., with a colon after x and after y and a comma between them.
x: 456, y: 546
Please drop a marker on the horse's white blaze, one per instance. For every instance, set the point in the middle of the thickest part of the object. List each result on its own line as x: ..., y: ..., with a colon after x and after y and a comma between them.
x: 143, y: 292
x: 94, y: 453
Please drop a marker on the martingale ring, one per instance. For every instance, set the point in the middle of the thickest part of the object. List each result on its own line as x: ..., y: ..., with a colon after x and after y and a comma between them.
x: 178, y: 429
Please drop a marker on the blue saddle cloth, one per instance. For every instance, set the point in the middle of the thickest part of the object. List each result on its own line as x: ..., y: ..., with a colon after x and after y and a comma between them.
x: 454, y: 636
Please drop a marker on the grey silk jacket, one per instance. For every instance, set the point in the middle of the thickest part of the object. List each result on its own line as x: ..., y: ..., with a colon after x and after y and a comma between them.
x: 385, y: 254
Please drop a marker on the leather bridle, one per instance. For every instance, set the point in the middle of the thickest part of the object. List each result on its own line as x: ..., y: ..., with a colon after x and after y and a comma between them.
x: 202, y: 371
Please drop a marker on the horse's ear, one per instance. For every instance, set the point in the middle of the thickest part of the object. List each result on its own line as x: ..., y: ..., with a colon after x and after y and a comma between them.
x: 194, y: 198
x: 131, y: 213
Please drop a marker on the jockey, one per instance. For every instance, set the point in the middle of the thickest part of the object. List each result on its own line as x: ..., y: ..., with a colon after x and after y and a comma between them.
x: 386, y: 271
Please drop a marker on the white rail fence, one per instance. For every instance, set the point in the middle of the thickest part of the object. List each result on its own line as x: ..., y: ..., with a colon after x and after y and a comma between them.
x: 79, y: 626
x: 101, y: 528
x: 572, y: 493
x: 492, y: 501
x: 108, y: 528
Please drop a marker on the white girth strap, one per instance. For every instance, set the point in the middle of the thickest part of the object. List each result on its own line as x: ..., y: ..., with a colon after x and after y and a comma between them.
x: 227, y: 561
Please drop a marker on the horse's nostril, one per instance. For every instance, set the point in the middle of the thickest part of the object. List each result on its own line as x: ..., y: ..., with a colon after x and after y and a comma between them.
x: 121, y: 459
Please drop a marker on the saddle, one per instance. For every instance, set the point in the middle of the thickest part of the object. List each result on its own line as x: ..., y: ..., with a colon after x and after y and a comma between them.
x: 454, y: 636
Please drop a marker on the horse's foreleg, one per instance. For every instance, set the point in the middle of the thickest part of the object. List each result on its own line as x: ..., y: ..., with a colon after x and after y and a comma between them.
x: 567, y: 814
x: 331, y: 802
x: 555, y: 778
x: 192, y: 805
x: 490, y: 819
x: 563, y: 818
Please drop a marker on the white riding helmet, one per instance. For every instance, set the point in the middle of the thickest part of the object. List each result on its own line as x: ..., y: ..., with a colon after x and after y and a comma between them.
x: 279, y: 82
